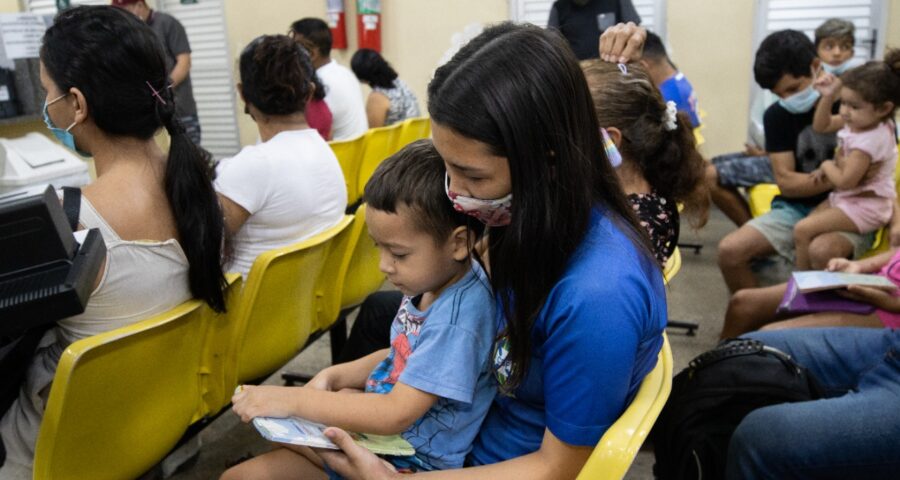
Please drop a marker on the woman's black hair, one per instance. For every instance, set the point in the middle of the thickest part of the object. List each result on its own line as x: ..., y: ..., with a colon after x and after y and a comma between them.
x: 370, y: 67
x: 276, y: 75
x: 519, y: 90
x: 118, y: 64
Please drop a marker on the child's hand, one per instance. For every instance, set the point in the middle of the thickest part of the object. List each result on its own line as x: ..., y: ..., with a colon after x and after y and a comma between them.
x: 843, y: 265
x: 876, y: 297
x: 753, y: 150
x: 828, y: 85
x: 263, y: 401
x: 325, y: 380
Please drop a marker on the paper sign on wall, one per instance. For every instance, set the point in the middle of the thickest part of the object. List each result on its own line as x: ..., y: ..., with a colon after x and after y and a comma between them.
x: 21, y: 34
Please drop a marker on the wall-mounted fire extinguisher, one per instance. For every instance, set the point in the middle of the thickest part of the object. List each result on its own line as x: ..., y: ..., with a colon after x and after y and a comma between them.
x: 368, y: 24
x: 337, y: 24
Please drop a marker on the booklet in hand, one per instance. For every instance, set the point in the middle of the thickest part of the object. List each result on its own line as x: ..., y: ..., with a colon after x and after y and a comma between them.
x: 818, y: 280
x: 796, y: 302
x: 298, y: 431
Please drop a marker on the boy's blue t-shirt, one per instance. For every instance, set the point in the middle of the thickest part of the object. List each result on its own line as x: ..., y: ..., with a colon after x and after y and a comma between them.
x: 678, y: 89
x: 444, y: 351
x: 593, y: 342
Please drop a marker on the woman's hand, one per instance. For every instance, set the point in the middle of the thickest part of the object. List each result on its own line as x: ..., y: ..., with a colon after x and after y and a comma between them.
x: 253, y: 401
x: 843, y: 265
x: 622, y: 43
x: 354, y: 462
x: 876, y: 297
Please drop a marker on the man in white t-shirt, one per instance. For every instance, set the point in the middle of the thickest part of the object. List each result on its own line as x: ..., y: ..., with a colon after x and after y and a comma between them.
x: 342, y: 90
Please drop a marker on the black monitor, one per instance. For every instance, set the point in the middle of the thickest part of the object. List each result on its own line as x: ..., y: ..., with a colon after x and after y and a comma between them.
x: 45, y: 274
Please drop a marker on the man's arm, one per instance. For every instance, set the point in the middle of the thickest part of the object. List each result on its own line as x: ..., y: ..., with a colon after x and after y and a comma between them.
x: 794, y: 184
x: 181, y: 69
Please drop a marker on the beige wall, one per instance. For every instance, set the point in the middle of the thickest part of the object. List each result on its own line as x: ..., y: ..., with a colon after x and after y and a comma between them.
x: 892, y: 39
x: 717, y: 59
x: 414, y: 36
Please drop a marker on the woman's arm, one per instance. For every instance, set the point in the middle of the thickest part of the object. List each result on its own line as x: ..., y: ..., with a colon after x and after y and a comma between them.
x: 555, y: 459
x: 382, y: 414
x: 235, y: 215
x: 848, y: 173
x: 377, y: 106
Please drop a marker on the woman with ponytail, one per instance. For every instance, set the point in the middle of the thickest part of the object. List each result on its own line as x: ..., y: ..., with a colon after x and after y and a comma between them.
x: 289, y: 186
x: 658, y: 163
x: 107, y: 96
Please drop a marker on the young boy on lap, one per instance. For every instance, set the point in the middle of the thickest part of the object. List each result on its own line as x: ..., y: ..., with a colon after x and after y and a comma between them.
x: 434, y: 385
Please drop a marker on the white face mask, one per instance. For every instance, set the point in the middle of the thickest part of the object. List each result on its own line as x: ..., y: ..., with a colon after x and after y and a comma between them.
x: 802, y: 101
x: 493, y: 213
x: 837, y: 69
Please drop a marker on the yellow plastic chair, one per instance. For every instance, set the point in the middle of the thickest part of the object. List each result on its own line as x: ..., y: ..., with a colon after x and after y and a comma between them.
x: 277, y: 310
x: 617, y: 448
x: 413, y: 129
x: 219, y: 384
x: 331, y: 281
x: 380, y: 143
x: 673, y: 265
x: 121, y: 400
x: 363, y: 275
x: 761, y: 197
x: 349, y: 155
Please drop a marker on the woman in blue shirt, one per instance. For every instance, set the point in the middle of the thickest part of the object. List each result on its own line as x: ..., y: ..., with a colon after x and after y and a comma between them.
x: 581, y: 299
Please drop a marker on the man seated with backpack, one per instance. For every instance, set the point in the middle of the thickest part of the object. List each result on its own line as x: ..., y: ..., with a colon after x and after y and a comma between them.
x: 851, y: 432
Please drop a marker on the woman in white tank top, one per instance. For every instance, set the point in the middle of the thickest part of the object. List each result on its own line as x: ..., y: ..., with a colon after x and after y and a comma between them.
x: 107, y: 96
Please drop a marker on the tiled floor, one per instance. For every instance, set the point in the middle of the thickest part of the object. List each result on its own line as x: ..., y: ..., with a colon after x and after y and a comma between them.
x: 697, y: 294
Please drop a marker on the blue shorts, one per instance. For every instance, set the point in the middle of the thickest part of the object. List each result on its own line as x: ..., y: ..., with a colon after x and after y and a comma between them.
x: 741, y: 170
x: 778, y: 227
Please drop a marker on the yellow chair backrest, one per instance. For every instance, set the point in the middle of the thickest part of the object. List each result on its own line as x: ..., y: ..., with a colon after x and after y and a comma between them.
x: 331, y: 281
x: 349, y: 156
x: 121, y: 400
x: 673, y: 265
x: 221, y: 332
x: 363, y: 275
x: 413, y: 129
x: 761, y: 197
x: 620, y: 444
x: 380, y: 143
x: 278, y: 306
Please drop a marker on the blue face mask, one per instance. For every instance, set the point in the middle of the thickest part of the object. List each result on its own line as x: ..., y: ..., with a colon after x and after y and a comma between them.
x: 837, y: 70
x: 800, y: 102
x: 64, y: 136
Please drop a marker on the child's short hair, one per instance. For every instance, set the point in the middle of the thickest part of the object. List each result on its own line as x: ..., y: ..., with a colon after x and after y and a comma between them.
x: 415, y: 176
x: 654, y: 49
x: 836, y: 28
x: 786, y: 52
x: 876, y: 81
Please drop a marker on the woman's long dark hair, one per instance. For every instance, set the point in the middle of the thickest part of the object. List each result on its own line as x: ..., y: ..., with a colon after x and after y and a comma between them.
x: 369, y: 66
x: 519, y: 89
x: 117, y: 63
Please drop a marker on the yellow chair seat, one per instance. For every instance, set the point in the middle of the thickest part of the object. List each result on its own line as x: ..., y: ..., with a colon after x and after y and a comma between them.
x: 349, y: 156
x: 761, y: 197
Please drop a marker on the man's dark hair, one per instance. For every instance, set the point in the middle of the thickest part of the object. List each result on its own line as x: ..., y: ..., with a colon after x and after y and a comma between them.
x: 316, y: 31
x: 786, y: 52
x: 415, y: 177
x: 654, y: 49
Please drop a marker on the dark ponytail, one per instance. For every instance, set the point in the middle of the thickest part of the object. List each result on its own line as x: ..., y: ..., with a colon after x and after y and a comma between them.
x: 118, y: 64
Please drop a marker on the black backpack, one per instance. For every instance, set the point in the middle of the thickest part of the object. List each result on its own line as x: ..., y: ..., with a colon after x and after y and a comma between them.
x: 711, y: 397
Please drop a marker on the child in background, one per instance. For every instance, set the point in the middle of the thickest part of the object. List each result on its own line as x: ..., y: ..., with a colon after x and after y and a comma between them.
x: 863, y: 171
x: 434, y: 385
x: 660, y: 165
x: 835, y: 39
x: 673, y: 85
